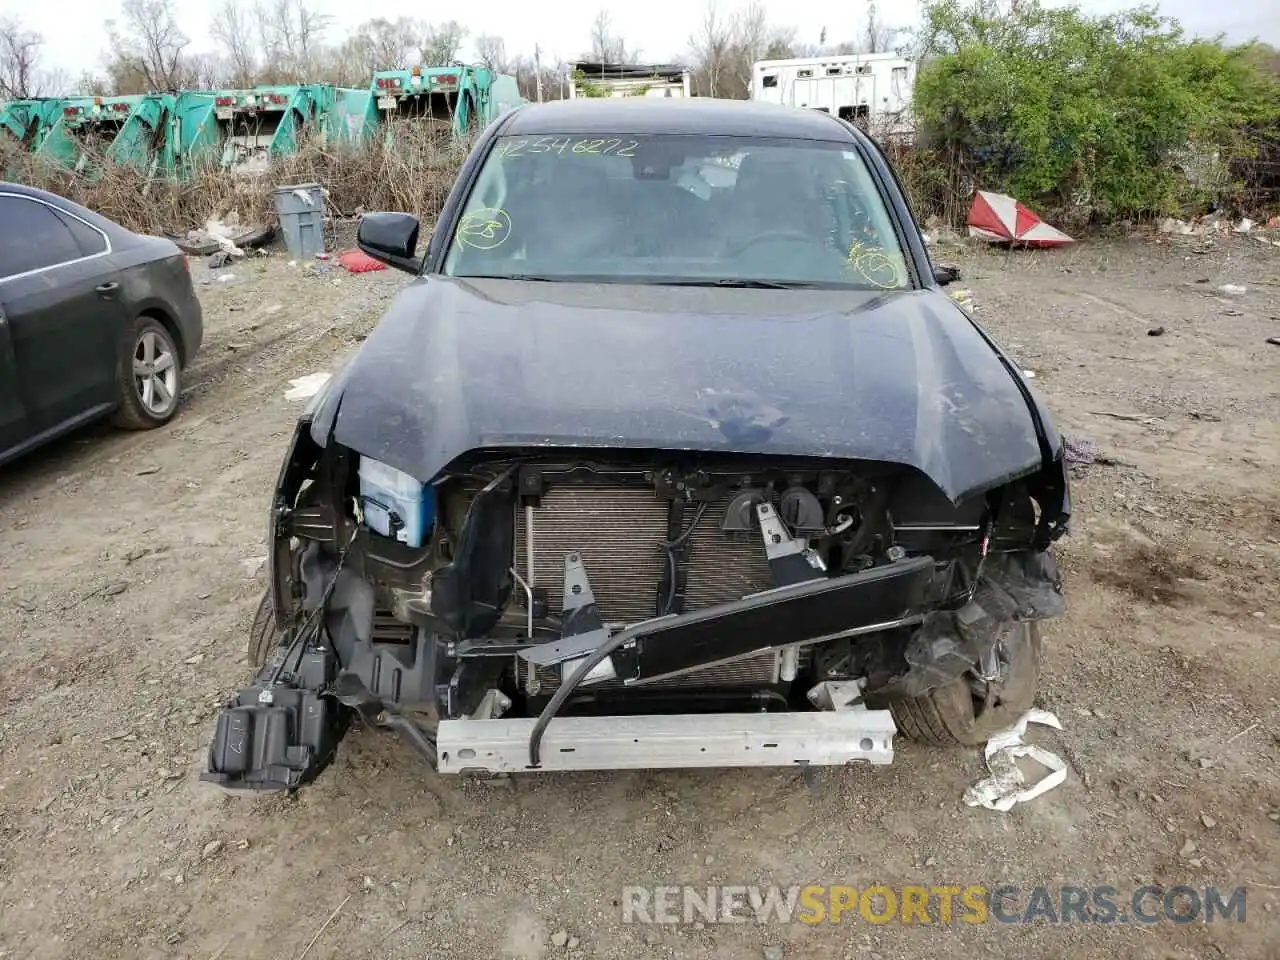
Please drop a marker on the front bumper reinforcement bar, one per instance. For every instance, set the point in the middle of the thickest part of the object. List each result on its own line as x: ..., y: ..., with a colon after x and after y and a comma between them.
x: 812, y: 612
x: 669, y: 741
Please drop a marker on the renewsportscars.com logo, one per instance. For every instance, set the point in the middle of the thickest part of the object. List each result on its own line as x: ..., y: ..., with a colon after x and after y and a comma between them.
x: 972, y: 904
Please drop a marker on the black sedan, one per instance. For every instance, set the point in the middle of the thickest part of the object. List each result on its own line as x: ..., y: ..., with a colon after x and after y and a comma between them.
x: 94, y: 321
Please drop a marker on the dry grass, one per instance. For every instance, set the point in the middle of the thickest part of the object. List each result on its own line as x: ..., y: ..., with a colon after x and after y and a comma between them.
x: 408, y: 167
x: 937, y: 187
x: 411, y: 166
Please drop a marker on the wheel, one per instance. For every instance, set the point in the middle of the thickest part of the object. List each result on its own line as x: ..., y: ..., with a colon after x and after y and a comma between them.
x: 951, y: 715
x: 148, y: 378
x: 263, y: 634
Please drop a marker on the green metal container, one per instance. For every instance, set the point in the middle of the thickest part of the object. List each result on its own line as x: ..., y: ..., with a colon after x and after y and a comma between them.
x: 268, y: 121
x: 29, y: 121
x: 85, y: 129
x: 457, y: 98
x: 353, y: 116
x: 168, y: 135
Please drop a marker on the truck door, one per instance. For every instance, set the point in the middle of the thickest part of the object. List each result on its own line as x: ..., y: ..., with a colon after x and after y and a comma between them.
x: 802, y: 91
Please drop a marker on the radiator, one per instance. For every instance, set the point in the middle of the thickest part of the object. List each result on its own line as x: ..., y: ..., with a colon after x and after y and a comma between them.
x: 617, y: 531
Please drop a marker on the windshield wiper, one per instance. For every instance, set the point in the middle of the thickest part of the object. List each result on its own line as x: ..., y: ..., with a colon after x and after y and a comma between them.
x: 740, y: 282
x: 509, y: 276
x: 745, y: 282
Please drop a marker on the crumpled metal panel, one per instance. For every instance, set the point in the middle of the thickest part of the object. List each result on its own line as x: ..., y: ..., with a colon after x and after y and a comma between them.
x: 903, y: 378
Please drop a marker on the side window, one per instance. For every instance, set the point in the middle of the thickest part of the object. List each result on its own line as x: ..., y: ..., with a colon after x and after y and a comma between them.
x: 89, y: 240
x: 31, y: 237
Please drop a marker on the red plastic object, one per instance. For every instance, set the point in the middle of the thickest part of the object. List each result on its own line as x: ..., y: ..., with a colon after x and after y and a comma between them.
x: 357, y: 261
x: 1000, y: 218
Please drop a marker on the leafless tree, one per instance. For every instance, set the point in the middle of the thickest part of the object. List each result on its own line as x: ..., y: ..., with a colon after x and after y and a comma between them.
x: 232, y: 28
x: 877, y: 36
x: 348, y: 64
x: 725, y: 49
x: 525, y: 70
x: 782, y: 45
x: 757, y: 40
x: 90, y: 84
x: 148, y: 48
x: 209, y: 71
x: 19, y: 60
x: 377, y: 44
x: 441, y: 42
x: 712, y: 48
x: 605, y: 46
x: 392, y: 44
x: 492, y: 52
x: 291, y: 36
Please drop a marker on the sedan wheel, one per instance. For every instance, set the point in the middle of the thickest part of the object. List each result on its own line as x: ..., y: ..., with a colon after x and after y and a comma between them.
x: 155, y: 373
x: 149, y: 378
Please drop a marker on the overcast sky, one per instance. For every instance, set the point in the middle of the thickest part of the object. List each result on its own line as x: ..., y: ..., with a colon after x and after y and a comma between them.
x: 659, y: 28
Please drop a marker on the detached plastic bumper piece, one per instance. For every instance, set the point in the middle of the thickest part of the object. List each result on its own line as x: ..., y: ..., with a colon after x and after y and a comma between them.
x: 273, y: 737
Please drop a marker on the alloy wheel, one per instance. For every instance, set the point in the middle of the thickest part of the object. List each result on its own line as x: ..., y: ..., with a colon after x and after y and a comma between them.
x: 155, y: 373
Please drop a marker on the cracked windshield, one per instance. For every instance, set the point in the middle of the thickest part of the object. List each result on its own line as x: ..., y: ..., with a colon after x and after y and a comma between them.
x: 677, y: 209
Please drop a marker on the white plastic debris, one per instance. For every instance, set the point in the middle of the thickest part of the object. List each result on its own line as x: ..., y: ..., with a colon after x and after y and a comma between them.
x: 225, y: 277
x: 304, y: 388
x: 1029, y: 374
x: 1245, y: 225
x: 1007, y: 784
x: 1233, y: 289
x: 220, y: 232
x: 304, y: 196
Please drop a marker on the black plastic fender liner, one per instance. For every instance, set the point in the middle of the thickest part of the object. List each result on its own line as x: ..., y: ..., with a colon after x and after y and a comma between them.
x: 807, y: 613
x: 300, y: 462
x: 1016, y: 587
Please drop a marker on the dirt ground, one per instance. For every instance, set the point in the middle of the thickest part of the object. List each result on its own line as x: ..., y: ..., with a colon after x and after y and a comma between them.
x: 132, y: 564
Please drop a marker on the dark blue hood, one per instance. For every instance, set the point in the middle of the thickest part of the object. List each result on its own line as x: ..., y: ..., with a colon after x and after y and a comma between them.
x: 903, y: 378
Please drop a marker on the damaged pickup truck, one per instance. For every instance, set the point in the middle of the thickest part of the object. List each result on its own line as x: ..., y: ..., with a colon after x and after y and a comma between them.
x: 674, y: 454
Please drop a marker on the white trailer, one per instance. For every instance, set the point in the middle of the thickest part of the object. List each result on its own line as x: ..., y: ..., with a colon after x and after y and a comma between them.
x: 628, y: 80
x: 872, y: 88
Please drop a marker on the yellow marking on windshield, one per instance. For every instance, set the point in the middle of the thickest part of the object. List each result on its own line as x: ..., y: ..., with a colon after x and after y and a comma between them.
x: 875, y: 265
x: 484, y: 229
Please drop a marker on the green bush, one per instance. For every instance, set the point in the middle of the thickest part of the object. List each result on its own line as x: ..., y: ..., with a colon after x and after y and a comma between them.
x: 1120, y: 115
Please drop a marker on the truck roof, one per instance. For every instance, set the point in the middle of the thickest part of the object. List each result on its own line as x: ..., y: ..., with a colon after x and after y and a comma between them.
x: 831, y: 58
x: 646, y: 115
x: 629, y: 71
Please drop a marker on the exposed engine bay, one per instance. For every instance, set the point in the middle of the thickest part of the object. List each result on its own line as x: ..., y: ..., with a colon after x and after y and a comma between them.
x: 499, y: 615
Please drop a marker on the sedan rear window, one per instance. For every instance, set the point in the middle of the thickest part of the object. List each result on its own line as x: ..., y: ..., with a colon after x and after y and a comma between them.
x: 678, y: 209
x: 32, y: 237
x: 89, y: 240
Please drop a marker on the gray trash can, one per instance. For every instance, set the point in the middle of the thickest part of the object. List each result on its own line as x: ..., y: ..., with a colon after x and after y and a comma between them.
x: 301, y: 210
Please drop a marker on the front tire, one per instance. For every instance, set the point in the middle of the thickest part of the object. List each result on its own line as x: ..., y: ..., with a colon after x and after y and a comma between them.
x: 951, y: 715
x: 148, y: 377
x: 264, y: 635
